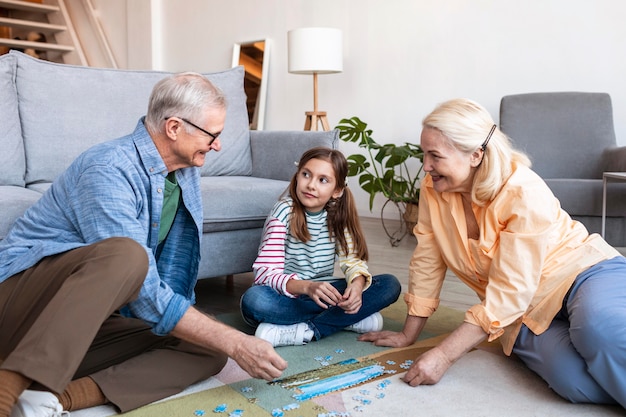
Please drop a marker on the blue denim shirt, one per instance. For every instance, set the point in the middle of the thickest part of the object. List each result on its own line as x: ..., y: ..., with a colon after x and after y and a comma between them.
x: 116, y: 189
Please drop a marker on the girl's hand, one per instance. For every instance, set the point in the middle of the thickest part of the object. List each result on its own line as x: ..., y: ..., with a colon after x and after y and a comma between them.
x: 352, y: 299
x: 323, y: 293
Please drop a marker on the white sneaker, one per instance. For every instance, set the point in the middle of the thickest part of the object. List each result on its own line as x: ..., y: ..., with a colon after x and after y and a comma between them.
x: 284, y: 335
x: 38, y: 404
x: 373, y: 323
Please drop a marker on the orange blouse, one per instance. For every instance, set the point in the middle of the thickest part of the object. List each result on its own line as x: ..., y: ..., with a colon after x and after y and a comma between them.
x: 528, y: 254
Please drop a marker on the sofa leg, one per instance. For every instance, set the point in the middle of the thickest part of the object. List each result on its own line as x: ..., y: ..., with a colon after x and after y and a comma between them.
x: 230, y: 282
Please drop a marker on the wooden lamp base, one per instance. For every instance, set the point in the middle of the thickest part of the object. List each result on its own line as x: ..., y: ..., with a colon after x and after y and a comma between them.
x: 312, y: 119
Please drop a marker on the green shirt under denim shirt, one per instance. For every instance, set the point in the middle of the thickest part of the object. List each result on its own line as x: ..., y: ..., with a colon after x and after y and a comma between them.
x: 171, y: 198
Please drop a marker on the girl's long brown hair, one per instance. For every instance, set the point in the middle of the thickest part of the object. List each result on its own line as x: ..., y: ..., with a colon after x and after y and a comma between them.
x: 342, y: 213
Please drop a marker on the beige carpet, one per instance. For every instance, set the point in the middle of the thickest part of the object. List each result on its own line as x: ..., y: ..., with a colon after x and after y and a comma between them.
x: 483, y: 383
x: 479, y: 384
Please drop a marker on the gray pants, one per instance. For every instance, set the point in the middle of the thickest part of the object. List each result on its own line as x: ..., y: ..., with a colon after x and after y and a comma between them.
x: 582, y: 354
x: 58, y: 322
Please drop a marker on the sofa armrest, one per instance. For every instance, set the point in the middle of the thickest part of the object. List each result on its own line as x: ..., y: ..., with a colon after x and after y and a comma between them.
x: 615, y: 159
x: 275, y: 153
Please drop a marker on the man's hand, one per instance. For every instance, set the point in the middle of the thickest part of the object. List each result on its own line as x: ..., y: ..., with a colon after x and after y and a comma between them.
x: 258, y: 358
x: 255, y: 356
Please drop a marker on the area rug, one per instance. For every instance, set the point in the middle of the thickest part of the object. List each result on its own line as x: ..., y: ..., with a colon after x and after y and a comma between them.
x: 482, y: 383
x: 230, y: 382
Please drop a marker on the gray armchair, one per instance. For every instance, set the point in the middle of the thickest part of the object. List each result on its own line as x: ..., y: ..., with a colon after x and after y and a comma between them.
x: 569, y: 137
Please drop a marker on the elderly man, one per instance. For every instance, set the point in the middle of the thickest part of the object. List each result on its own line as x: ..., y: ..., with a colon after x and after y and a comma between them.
x: 97, y: 278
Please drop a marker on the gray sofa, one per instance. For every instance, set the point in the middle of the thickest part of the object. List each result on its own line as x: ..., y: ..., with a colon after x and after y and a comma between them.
x: 50, y: 113
x: 570, y: 139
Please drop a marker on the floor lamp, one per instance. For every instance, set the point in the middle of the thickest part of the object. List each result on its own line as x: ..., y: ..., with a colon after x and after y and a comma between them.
x: 315, y: 51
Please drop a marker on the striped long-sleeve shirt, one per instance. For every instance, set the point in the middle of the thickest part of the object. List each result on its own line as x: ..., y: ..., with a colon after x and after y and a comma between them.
x: 283, y: 257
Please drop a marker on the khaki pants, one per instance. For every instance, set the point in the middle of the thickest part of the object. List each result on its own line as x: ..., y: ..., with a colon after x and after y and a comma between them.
x: 58, y: 322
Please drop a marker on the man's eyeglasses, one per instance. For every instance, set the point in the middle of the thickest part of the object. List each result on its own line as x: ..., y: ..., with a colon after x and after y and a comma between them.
x: 212, y: 135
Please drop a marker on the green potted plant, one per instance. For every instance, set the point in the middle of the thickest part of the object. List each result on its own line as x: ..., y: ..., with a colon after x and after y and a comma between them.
x: 384, y: 169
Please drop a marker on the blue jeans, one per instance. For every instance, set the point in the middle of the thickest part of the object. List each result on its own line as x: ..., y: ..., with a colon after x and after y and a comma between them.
x: 582, y: 355
x: 262, y: 304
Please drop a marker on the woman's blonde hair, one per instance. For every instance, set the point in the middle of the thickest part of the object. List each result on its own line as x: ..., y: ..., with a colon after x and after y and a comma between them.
x: 342, y: 212
x: 468, y: 126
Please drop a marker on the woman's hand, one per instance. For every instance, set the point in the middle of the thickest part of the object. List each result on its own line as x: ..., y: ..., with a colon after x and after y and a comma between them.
x: 413, y: 326
x: 428, y: 368
x: 387, y: 338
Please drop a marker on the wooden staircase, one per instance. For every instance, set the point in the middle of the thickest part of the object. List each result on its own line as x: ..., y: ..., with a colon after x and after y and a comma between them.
x: 41, y: 28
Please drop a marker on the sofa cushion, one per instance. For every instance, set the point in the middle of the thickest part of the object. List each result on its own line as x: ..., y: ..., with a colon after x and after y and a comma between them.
x: 13, y: 203
x: 247, y: 208
x: 12, y: 162
x: 66, y: 109
x: 40, y: 187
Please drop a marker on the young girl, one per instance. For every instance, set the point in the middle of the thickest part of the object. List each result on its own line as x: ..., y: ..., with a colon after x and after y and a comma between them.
x: 295, y: 298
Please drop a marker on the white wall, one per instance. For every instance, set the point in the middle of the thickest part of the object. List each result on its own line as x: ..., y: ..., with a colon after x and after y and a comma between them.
x: 402, y: 57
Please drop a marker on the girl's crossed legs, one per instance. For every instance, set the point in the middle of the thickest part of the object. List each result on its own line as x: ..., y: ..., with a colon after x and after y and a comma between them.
x: 262, y: 304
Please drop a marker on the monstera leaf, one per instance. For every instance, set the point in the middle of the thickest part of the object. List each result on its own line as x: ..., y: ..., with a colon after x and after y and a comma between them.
x: 383, y: 169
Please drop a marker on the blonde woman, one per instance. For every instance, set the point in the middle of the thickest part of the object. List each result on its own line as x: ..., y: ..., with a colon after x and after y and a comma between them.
x: 552, y: 293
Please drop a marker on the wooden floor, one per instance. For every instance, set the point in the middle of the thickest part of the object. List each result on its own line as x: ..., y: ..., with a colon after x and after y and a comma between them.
x: 219, y: 295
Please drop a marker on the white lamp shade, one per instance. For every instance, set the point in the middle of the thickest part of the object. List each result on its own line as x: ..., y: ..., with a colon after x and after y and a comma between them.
x: 315, y: 50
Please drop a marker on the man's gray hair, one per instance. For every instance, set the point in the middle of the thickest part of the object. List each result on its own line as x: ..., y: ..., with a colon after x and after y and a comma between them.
x: 187, y: 95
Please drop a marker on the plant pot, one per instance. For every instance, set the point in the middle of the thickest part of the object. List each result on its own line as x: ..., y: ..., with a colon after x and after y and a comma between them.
x: 410, y: 216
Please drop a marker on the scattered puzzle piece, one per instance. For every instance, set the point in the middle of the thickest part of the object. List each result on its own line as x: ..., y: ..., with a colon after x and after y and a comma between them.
x: 382, y: 385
